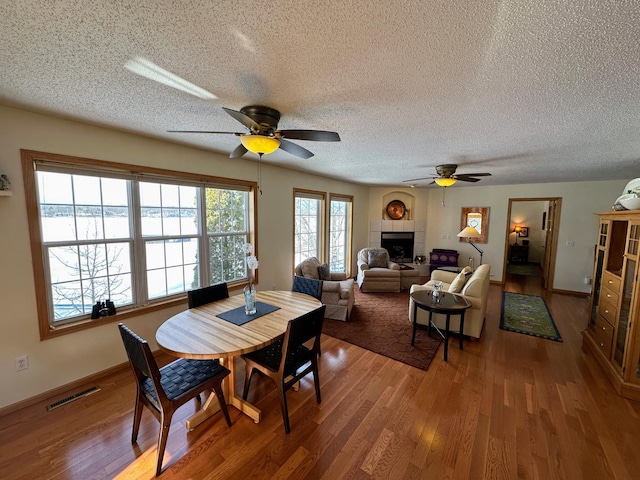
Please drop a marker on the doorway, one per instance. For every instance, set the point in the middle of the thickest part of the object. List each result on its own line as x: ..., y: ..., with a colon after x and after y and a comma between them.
x: 531, y: 240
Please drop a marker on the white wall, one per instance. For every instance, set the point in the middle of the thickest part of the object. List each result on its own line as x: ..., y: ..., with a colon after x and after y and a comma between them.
x: 580, y: 200
x: 61, y: 360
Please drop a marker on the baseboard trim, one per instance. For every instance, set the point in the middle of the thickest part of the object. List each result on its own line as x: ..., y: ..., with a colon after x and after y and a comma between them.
x: 65, y: 389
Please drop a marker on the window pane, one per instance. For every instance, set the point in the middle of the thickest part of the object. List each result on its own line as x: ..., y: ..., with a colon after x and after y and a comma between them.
x: 114, y: 192
x: 63, y: 264
x: 188, y: 221
x: 93, y: 260
x: 338, y: 235
x: 116, y: 222
x: 307, y: 228
x: 67, y: 300
x: 170, y: 196
x: 89, y: 223
x: 58, y: 223
x: 170, y: 221
x: 54, y: 188
x: 175, y: 280
x: 173, y: 252
x: 155, y: 254
x: 150, y: 194
x: 86, y: 190
x: 156, y: 283
x: 151, y: 221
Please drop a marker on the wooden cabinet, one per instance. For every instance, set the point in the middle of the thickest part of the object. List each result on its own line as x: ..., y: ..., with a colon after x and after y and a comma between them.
x: 519, y: 254
x: 613, y: 334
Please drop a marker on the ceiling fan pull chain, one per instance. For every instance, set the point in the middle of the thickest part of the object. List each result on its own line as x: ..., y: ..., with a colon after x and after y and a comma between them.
x: 259, y: 174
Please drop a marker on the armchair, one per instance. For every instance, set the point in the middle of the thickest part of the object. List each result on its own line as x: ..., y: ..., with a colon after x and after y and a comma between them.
x: 376, y: 273
x: 337, y: 289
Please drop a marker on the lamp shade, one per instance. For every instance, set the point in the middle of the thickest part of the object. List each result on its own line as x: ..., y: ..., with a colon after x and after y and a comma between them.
x: 469, y: 232
x: 260, y: 143
x: 445, y: 182
x: 517, y: 229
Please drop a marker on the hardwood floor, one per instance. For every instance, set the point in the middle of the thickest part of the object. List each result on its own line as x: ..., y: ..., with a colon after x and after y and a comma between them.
x: 508, y: 406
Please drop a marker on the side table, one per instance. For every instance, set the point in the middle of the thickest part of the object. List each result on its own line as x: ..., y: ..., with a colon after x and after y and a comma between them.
x: 448, y: 304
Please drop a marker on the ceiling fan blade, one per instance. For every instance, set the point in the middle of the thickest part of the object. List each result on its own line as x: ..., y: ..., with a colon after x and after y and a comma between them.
x: 294, y: 149
x: 417, y: 179
x: 464, y: 178
x: 239, y: 151
x: 203, y: 131
x: 314, y: 135
x: 476, y: 174
x: 247, y: 121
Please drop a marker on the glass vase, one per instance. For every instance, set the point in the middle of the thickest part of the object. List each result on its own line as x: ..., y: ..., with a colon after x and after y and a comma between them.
x: 250, y: 300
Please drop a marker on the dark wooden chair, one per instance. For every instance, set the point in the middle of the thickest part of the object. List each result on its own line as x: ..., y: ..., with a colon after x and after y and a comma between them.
x: 284, y: 360
x: 202, y: 296
x: 163, y: 390
x: 310, y: 286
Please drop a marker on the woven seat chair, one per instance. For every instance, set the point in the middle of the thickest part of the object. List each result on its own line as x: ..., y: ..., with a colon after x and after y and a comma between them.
x: 202, y: 296
x: 163, y: 390
x: 284, y: 360
x: 310, y: 286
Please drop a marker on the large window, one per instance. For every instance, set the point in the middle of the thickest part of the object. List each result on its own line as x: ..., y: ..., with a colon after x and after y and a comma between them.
x: 308, y: 228
x: 141, y: 239
x: 340, y: 233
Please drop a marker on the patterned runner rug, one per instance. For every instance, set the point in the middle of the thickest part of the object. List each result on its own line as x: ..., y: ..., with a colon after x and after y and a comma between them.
x: 528, y: 314
x: 380, y: 322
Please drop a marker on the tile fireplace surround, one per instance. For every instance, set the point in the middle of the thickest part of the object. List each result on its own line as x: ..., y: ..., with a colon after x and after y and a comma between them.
x: 417, y: 226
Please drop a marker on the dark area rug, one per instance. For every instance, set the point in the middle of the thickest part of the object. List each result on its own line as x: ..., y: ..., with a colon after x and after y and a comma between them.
x: 528, y: 314
x: 380, y: 322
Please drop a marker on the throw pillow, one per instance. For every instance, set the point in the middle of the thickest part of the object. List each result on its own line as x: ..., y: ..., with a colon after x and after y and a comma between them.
x: 467, y: 271
x: 323, y: 272
x: 458, y: 284
x: 309, y: 269
x: 377, y: 259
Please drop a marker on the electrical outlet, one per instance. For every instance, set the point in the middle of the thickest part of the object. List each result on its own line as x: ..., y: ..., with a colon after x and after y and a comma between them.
x: 570, y: 243
x: 21, y: 363
x: 274, y: 287
x: 444, y: 236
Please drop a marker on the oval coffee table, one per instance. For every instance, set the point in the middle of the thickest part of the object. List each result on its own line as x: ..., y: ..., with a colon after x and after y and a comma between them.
x: 448, y: 304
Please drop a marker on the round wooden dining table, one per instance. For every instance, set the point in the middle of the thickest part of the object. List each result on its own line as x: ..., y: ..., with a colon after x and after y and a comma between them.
x: 199, y: 333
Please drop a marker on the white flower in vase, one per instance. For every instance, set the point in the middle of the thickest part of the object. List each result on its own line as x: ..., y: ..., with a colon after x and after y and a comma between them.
x: 252, y: 261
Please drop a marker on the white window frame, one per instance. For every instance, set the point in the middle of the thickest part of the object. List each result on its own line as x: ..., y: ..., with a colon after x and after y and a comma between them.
x: 340, y: 232
x: 304, y: 225
x: 141, y: 303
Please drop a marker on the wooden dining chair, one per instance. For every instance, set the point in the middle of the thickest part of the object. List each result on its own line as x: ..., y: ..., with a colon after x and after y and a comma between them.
x: 283, y: 361
x: 202, y: 296
x: 163, y: 390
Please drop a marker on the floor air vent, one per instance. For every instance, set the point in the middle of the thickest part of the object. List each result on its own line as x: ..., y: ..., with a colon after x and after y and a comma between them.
x: 73, y: 397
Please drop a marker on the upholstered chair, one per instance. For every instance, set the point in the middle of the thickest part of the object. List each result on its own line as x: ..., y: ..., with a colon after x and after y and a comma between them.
x: 376, y: 272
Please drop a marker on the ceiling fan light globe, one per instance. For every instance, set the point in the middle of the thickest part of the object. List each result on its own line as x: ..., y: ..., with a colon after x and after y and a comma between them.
x: 260, y: 144
x: 445, y: 182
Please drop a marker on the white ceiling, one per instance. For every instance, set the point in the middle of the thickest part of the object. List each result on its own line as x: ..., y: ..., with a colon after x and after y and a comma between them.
x: 530, y: 91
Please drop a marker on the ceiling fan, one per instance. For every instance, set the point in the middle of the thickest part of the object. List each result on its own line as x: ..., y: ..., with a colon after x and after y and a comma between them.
x: 447, y: 176
x: 264, y: 137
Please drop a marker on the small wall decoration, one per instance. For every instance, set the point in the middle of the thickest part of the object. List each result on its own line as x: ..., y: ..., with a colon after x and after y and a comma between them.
x: 524, y: 232
x: 396, y: 210
x: 4, y: 182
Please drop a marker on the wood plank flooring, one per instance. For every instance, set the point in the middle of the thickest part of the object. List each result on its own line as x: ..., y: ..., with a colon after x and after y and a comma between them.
x: 508, y: 406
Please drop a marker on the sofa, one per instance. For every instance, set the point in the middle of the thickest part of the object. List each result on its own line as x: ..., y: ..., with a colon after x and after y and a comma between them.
x: 475, y: 289
x: 337, y: 289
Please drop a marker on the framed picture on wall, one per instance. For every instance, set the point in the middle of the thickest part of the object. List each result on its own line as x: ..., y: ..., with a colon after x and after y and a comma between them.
x: 524, y: 232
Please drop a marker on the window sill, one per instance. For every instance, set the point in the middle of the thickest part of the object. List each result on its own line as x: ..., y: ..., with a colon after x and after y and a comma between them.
x: 57, y: 331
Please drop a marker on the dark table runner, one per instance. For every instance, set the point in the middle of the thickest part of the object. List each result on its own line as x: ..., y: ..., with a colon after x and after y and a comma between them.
x: 238, y: 317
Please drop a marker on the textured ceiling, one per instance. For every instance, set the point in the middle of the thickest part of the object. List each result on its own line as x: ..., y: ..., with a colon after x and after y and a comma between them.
x: 530, y: 91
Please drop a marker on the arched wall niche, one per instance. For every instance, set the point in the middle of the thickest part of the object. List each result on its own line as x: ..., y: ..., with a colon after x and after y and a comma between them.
x: 406, y: 198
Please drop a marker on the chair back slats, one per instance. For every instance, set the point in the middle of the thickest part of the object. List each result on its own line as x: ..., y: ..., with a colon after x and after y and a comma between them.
x: 310, y: 286
x: 299, y: 331
x: 136, y: 351
x: 212, y: 293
